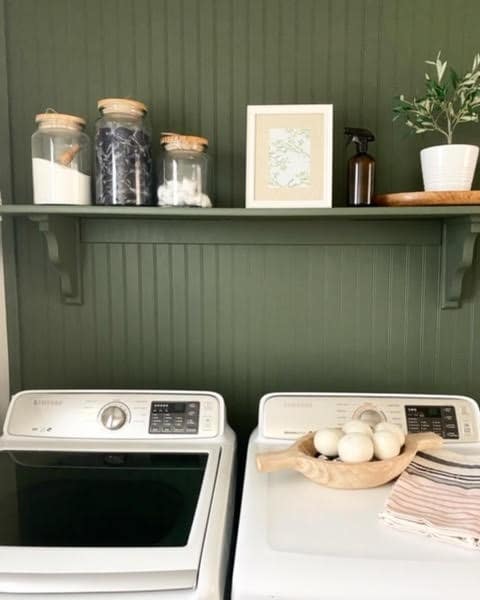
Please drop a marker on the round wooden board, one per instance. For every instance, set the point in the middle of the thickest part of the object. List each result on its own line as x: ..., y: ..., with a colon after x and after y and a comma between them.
x: 428, y: 198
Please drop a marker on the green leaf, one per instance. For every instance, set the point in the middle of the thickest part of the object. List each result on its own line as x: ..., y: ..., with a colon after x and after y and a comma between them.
x: 453, y: 78
x: 450, y: 99
x: 440, y: 69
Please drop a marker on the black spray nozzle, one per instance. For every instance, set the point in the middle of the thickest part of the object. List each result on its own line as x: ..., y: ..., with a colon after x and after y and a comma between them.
x: 359, y: 136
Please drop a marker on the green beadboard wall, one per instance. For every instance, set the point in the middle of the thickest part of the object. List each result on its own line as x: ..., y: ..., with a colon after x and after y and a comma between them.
x: 361, y: 312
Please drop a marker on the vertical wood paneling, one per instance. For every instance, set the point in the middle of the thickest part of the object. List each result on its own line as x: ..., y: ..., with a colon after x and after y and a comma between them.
x: 149, y: 316
x: 243, y: 320
x: 5, y: 134
x: 199, y: 63
x: 272, y: 57
x: 102, y: 309
x: 303, y: 55
x: 210, y: 289
x: 164, y: 332
x: 239, y: 67
x: 7, y: 238
x: 119, y: 315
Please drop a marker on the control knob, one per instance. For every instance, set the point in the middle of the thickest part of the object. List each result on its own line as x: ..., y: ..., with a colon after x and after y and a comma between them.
x: 113, y: 417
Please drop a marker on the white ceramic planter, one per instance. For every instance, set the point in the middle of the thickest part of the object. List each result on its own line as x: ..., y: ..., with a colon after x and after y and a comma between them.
x: 448, y: 167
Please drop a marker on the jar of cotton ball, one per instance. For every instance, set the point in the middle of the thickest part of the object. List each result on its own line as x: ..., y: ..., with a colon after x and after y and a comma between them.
x: 183, y: 171
x: 123, y: 159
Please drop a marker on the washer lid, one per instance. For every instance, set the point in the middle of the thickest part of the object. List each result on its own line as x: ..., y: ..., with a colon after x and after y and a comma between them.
x: 103, y: 521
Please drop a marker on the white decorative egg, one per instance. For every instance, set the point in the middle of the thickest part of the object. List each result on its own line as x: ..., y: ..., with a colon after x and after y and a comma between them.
x: 386, y: 444
x: 355, y: 447
x: 383, y: 426
x: 326, y: 441
x: 357, y: 426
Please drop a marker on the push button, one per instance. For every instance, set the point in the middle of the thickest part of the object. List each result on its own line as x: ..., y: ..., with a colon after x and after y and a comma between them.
x: 450, y: 426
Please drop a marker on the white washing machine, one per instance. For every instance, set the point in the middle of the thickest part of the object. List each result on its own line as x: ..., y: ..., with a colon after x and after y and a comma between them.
x: 104, y: 492
x: 300, y: 541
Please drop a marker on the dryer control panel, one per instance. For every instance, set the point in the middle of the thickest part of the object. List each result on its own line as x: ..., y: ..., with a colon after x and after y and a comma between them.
x: 287, y: 416
x: 120, y: 414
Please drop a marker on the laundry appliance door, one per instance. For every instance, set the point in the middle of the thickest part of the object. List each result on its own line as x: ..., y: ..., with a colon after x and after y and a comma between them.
x: 98, y: 521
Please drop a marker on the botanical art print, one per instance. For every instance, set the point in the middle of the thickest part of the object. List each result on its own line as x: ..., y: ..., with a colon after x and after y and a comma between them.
x: 289, y: 157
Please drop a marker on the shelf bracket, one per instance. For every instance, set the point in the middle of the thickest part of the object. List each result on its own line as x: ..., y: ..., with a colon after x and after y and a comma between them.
x: 459, y: 237
x: 62, y: 235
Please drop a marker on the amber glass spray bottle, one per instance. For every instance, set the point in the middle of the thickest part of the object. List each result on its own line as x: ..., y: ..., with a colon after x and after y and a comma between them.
x: 361, y: 168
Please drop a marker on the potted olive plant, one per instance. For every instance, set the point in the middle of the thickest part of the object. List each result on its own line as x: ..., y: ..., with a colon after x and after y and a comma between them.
x: 449, y: 101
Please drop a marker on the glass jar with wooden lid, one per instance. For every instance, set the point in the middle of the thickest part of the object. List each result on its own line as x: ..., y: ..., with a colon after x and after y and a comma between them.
x: 183, y: 171
x: 123, y: 160
x: 60, y: 160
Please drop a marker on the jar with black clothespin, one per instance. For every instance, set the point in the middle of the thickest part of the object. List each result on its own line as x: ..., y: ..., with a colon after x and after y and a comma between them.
x: 123, y: 158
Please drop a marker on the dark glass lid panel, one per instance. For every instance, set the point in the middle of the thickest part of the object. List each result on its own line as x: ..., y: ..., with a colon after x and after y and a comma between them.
x: 98, y: 500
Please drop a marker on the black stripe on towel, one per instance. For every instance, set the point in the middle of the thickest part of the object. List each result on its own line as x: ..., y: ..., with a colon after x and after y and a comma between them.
x: 448, y: 463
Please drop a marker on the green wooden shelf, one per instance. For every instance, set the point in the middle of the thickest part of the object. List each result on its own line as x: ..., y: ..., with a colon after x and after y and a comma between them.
x: 61, y: 227
x: 139, y: 212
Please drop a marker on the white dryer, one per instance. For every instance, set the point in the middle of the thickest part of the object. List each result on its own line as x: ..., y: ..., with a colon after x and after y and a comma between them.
x: 300, y: 541
x: 115, y: 491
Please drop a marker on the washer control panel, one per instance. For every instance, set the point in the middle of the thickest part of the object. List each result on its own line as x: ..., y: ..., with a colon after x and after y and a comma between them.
x: 439, y: 419
x: 174, y: 417
x: 120, y: 414
x: 288, y: 416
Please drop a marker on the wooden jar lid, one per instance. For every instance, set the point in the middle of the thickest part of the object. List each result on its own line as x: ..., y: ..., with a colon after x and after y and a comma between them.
x: 126, y: 105
x: 183, y: 142
x: 54, y: 119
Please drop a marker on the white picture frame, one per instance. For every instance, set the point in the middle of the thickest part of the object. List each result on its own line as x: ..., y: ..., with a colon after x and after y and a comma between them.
x: 289, y: 156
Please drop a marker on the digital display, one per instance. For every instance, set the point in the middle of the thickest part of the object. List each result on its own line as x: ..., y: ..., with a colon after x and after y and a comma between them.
x: 425, y: 412
x: 432, y: 412
x: 169, y: 407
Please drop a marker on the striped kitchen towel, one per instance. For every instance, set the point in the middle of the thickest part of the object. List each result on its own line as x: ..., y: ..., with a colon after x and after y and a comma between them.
x: 438, y: 495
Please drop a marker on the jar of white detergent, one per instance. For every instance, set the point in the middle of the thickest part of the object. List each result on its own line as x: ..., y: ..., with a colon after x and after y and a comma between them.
x: 60, y: 160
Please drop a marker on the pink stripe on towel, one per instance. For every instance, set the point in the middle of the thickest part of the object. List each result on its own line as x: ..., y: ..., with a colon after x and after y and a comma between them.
x: 438, y: 496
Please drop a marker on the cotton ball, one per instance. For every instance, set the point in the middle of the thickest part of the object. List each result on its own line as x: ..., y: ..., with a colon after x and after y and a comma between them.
x: 383, y: 426
x: 386, y: 444
x: 357, y: 426
x: 326, y: 441
x: 205, y: 201
x: 355, y: 448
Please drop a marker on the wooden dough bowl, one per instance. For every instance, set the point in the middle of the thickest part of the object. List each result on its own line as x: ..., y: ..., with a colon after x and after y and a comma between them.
x: 301, y: 456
